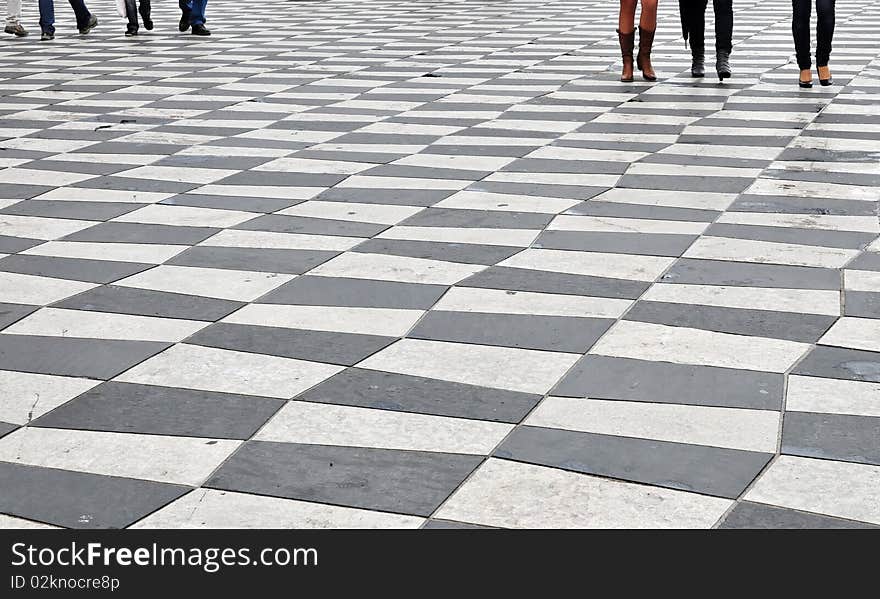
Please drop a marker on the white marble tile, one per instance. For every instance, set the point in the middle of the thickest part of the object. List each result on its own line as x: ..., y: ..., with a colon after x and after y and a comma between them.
x: 38, y: 291
x: 178, y: 174
x: 373, y: 182
x: 13, y: 523
x: 514, y: 495
x: 502, y: 301
x: 479, y: 200
x: 181, y: 460
x: 211, y: 369
x: 808, y: 301
x: 509, y: 368
x: 832, y: 396
x: 661, y: 343
x: 810, y: 189
x: 240, y: 285
x: 608, y: 224
x: 455, y: 161
x: 474, y: 235
x: 673, y: 199
x: 309, y: 165
x: 259, y: 191
x: 862, y: 280
x: 366, y: 321
x: 327, y: 424
x: 84, y: 194
x: 383, y: 214
x: 162, y: 214
x: 213, y: 509
x: 120, y: 252
x: 828, y: 222
x: 396, y: 268
x: 26, y: 396
x: 857, y: 333
x: 26, y: 176
x: 769, y: 252
x: 285, y: 241
x: 35, y: 227
x: 751, y: 430
x: 56, y: 322
x: 841, y: 489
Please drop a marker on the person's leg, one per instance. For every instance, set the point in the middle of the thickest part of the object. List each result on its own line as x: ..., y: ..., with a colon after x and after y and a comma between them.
x: 824, y: 31
x: 694, y: 19
x: 800, y: 29
x: 185, y: 12
x: 13, y: 12
x: 197, y: 14
x: 626, y: 25
x: 723, y: 25
x: 131, y: 13
x: 47, y: 16
x: 146, y: 13
x: 647, y: 28
x: 83, y: 16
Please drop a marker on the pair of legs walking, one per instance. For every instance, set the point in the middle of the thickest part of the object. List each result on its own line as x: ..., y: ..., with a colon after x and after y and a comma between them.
x: 800, y: 28
x: 193, y: 15
x: 85, y: 21
x: 693, y: 23
x: 626, y: 32
x: 132, y: 8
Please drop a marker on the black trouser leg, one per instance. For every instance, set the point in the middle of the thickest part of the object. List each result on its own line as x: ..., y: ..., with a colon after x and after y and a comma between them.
x: 131, y: 13
x: 723, y: 25
x: 145, y: 9
x: 825, y: 31
x: 696, y: 22
x: 800, y: 29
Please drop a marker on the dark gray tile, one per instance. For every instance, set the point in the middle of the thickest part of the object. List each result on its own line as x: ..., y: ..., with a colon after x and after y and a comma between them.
x: 362, y: 293
x: 758, y: 516
x: 722, y: 272
x: 615, y: 242
x: 282, y: 179
x: 524, y: 279
x: 146, y: 409
x: 642, y: 211
x: 404, y: 393
x: 550, y: 333
x: 254, y: 259
x: 10, y: 313
x: 807, y: 328
x: 76, y: 269
x: 80, y: 500
x: 864, y: 304
x: 453, y: 525
x: 694, y: 468
x: 492, y: 219
x: 6, y: 428
x: 802, y: 205
x: 568, y: 192
x: 345, y: 349
x: 68, y: 356
x: 841, y: 363
x: 76, y: 210
x: 685, y: 183
x: 314, y: 226
x: 405, y: 482
x: 866, y: 261
x: 467, y: 253
x: 230, y: 202
x: 602, y: 377
x: 11, y: 245
x: 839, y: 437
x: 146, y: 302
x: 143, y: 233
x: 834, y: 239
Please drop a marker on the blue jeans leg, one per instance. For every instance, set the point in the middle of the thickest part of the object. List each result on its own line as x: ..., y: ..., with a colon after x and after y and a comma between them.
x: 197, y: 16
x: 47, y: 16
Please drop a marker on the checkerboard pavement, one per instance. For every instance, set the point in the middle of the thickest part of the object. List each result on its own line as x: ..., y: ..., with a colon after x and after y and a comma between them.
x: 429, y: 264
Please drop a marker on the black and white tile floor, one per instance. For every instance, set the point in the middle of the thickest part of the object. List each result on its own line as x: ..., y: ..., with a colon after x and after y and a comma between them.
x: 400, y: 263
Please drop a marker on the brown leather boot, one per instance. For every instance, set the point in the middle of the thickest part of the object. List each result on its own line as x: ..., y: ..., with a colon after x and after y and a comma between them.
x: 627, y: 43
x: 646, y: 41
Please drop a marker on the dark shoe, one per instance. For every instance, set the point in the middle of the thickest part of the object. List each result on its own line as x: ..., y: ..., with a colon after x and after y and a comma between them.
x: 184, y: 21
x: 148, y: 22
x: 825, y: 78
x: 627, y: 44
x: 200, y: 30
x: 698, y: 62
x: 806, y: 79
x: 93, y: 22
x: 643, y: 61
x: 131, y: 32
x: 46, y: 36
x: 722, y: 65
x: 16, y: 30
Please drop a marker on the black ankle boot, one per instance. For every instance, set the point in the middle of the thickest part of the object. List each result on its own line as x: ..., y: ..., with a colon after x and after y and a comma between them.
x: 722, y: 65
x: 698, y: 64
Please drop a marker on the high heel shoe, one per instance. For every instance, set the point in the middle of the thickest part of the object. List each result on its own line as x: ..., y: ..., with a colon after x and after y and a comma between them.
x: 722, y: 65
x: 808, y: 82
x: 825, y: 76
x: 627, y: 44
x: 643, y: 60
